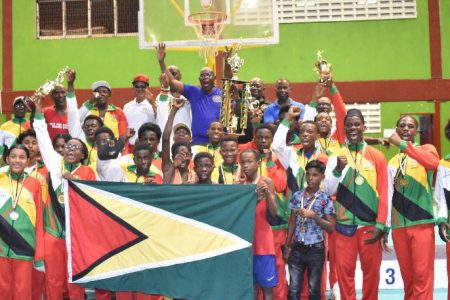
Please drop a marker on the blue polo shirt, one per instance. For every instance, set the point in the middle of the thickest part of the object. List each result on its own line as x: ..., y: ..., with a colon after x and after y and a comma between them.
x: 205, y: 109
x: 271, y: 111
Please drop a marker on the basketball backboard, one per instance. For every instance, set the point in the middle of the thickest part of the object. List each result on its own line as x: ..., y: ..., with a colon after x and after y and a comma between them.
x: 249, y: 22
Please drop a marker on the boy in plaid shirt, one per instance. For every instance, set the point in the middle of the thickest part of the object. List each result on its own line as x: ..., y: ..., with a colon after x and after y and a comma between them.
x: 312, y: 211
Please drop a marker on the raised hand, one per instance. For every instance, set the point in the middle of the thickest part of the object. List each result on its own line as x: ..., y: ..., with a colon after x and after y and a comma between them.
x: 293, y: 113
x: 70, y: 76
x: 161, y: 52
x: 341, y: 163
x: 178, y: 103
x: 395, y: 139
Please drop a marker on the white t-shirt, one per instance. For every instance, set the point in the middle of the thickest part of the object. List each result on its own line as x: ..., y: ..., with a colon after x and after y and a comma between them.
x: 138, y: 114
x: 183, y: 115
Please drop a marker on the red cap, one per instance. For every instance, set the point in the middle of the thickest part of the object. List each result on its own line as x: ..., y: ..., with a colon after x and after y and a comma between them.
x: 141, y: 78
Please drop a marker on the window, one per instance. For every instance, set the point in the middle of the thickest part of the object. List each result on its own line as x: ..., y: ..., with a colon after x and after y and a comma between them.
x: 86, y: 18
x: 295, y: 11
x: 371, y: 113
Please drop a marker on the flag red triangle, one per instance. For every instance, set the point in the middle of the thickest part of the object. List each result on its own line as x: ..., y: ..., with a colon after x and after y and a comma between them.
x: 90, y: 218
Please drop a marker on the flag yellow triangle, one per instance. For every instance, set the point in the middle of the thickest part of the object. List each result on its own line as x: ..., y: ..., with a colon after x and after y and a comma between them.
x: 172, y: 239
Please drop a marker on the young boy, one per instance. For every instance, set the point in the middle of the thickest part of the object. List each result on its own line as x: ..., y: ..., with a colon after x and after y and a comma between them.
x: 312, y: 211
x: 228, y: 172
x: 264, y: 261
x: 215, y: 133
x: 203, y: 167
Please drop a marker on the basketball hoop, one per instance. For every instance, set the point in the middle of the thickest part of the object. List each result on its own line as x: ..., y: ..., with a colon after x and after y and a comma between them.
x: 208, y: 26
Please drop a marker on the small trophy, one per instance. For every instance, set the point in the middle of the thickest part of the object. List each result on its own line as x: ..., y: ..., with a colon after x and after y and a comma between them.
x: 323, y: 68
x: 235, y: 62
x: 45, y: 89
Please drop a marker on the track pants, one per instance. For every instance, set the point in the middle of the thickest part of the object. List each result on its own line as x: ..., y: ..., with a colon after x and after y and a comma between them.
x: 415, y: 248
x: 56, y: 276
x: 347, y: 249
x: 15, y: 278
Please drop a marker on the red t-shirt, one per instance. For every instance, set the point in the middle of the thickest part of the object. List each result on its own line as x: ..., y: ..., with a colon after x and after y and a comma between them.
x: 262, y: 236
x: 56, y: 123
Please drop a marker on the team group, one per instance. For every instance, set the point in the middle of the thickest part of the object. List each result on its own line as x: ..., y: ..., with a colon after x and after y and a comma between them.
x: 324, y: 193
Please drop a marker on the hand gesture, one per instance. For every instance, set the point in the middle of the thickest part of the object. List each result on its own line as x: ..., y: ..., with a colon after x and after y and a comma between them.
x: 341, y: 163
x: 262, y: 189
x: 320, y: 90
x: 256, y: 116
x: 37, y: 101
x: 443, y: 227
x: 178, y: 103
x: 161, y: 52
x: 384, y: 142
x: 376, y: 235
x: 293, y: 113
x: 129, y: 133
x: 178, y: 159
x: 149, y: 95
x: 395, y: 139
x: 70, y: 76
x: 307, y: 213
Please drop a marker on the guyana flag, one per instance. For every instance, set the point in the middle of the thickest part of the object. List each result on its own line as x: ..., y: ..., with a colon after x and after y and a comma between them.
x: 185, y: 241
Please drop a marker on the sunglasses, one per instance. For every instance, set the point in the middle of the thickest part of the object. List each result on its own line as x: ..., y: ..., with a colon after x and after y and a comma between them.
x: 72, y: 147
x: 139, y: 86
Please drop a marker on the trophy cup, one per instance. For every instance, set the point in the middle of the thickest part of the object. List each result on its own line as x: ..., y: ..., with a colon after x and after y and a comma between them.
x: 45, y: 89
x: 234, y: 119
x: 323, y: 68
x: 235, y: 62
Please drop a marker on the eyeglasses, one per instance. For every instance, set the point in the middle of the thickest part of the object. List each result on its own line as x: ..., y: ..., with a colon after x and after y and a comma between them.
x: 72, y: 147
x: 139, y: 86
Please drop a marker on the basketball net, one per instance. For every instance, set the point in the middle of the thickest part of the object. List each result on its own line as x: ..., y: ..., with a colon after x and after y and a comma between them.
x: 208, y: 27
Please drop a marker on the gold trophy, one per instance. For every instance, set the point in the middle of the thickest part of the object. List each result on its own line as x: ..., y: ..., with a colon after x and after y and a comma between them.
x: 235, y: 62
x: 231, y: 119
x: 46, y: 88
x: 323, y: 67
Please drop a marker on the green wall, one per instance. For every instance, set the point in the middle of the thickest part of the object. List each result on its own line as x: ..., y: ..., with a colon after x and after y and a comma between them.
x: 445, y: 37
x: 365, y: 50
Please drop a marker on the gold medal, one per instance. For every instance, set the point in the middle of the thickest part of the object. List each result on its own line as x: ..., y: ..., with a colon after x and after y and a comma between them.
x: 302, y: 229
x: 61, y: 198
x: 404, y: 182
x: 14, y: 215
x: 359, y: 180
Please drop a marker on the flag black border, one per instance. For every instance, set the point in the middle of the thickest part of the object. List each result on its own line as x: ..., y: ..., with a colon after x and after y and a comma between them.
x: 140, y: 236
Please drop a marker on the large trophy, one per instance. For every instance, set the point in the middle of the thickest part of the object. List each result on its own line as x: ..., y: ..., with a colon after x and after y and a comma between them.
x: 323, y: 67
x: 236, y: 95
x: 45, y: 89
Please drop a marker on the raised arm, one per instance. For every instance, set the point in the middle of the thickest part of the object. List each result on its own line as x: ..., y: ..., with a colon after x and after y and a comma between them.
x: 340, y: 111
x: 165, y: 156
x: 50, y: 157
x: 73, y: 116
x: 161, y: 55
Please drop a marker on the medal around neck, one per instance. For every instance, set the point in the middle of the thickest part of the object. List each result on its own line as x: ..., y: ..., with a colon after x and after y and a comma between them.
x: 14, y: 215
x: 359, y: 180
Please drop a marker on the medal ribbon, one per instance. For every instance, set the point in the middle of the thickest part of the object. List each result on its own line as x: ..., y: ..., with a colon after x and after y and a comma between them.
x: 303, y: 221
x: 357, y: 166
x: 15, y: 199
